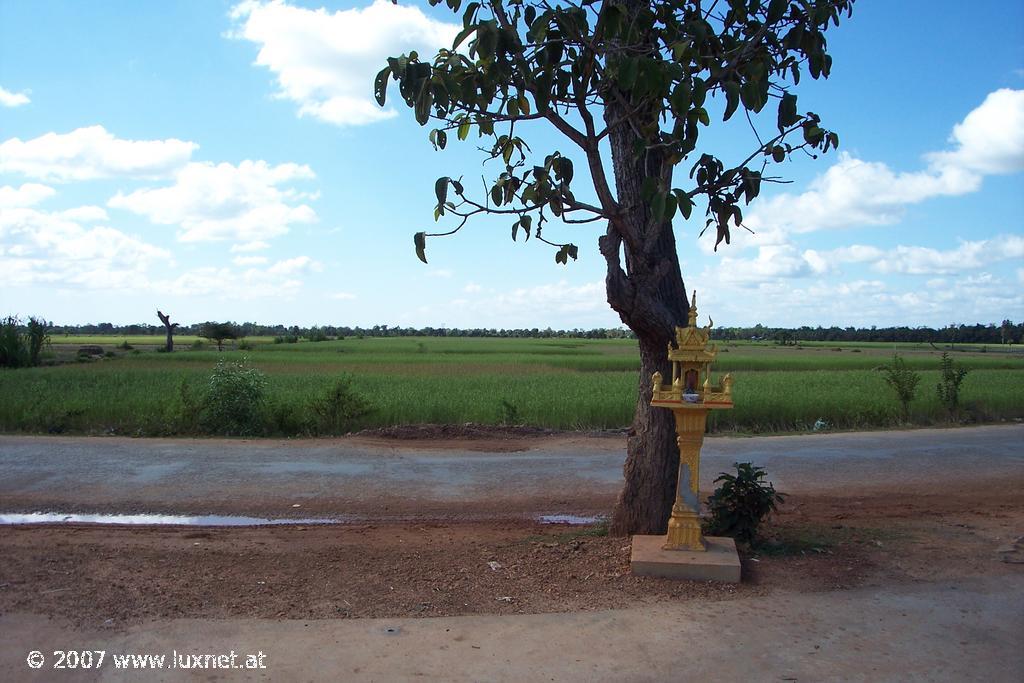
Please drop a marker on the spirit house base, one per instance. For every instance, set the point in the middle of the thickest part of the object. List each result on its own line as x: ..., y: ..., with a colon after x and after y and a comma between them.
x: 719, y: 560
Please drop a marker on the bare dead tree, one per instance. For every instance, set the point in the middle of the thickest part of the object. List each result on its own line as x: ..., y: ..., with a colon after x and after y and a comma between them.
x: 166, y: 320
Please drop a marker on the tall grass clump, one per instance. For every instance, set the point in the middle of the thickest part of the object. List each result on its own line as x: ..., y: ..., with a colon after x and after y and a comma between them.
x: 335, y: 411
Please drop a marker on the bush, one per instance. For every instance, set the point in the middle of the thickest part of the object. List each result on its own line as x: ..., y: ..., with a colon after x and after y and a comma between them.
x: 198, y: 345
x: 741, y: 503
x: 245, y: 345
x: 234, y: 399
x: 125, y: 346
x: 22, y: 348
x: 948, y: 387
x: 335, y: 411
x: 13, y: 351
x: 903, y: 381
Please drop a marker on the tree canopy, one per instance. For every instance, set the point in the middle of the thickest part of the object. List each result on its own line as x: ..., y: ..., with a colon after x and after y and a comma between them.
x: 656, y: 64
x: 630, y: 82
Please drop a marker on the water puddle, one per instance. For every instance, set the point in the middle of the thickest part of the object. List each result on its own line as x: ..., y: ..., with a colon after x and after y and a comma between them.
x: 570, y: 519
x: 162, y: 520
x: 228, y: 520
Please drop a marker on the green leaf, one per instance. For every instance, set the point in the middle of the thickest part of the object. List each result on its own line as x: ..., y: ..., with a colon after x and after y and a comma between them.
x: 380, y: 85
x: 420, y: 240
x: 565, y: 253
x: 732, y: 98
x: 684, y: 202
x: 515, y: 230
x: 463, y: 34
x: 657, y: 205
x: 525, y: 222
x: 441, y: 190
x: 423, y: 102
x: 563, y: 168
x: 524, y: 105
x: 776, y: 10
x: 464, y: 129
x: 778, y: 154
x: 787, y: 111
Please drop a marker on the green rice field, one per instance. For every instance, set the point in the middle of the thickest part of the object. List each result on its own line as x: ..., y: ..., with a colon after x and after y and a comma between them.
x: 556, y: 383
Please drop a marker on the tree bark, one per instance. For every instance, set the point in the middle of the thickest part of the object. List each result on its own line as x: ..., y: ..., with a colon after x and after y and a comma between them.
x: 650, y: 298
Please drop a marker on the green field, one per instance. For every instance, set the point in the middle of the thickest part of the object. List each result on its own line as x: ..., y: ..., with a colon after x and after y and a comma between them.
x: 557, y: 383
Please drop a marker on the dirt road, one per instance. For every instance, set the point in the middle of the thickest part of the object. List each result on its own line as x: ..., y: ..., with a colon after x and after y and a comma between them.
x: 894, y: 558
x: 368, y: 478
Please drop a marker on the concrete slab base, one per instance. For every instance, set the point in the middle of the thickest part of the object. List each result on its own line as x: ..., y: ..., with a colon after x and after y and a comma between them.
x: 720, y: 562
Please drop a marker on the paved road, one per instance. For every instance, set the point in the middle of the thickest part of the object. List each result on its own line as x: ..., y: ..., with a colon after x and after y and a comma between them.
x: 355, y: 476
x: 964, y: 631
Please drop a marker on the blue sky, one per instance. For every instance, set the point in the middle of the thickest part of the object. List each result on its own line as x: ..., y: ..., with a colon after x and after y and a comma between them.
x: 225, y: 161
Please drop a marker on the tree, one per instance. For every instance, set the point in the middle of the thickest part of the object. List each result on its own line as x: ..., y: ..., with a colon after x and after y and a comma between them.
x: 630, y: 82
x: 218, y: 332
x: 166, y: 320
x: 948, y: 388
x: 903, y: 381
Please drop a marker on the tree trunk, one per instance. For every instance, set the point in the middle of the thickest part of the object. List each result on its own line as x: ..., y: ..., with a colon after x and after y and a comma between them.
x: 650, y: 298
x: 166, y: 320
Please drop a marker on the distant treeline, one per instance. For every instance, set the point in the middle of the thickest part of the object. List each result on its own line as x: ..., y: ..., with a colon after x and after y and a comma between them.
x: 1007, y: 332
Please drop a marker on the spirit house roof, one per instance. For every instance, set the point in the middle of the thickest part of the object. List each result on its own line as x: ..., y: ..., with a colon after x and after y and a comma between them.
x: 691, y: 358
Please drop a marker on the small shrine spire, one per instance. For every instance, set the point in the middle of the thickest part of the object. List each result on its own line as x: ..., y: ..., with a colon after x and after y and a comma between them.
x: 693, y: 310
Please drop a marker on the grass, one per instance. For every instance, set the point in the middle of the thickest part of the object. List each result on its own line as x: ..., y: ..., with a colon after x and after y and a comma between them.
x: 557, y: 383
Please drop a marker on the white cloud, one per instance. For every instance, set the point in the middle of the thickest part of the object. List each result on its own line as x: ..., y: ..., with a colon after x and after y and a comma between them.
x: 29, y: 194
x: 827, y: 301
x: 854, y: 192
x: 771, y: 263
x: 258, y: 245
x: 54, y: 247
x: 343, y: 296
x: 472, y: 288
x: 774, y: 262
x: 250, y: 260
x: 991, y: 138
x: 229, y: 284
x: 967, y: 256
x: 91, y: 153
x: 226, y: 202
x: 294, y: 266
x: 440, y: 272
x: 326, y: 61
x: 524, y: 306
x: 12, y: 99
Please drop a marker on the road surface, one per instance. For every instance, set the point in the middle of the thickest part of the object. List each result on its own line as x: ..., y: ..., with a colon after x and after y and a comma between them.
x: 362, y: 478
